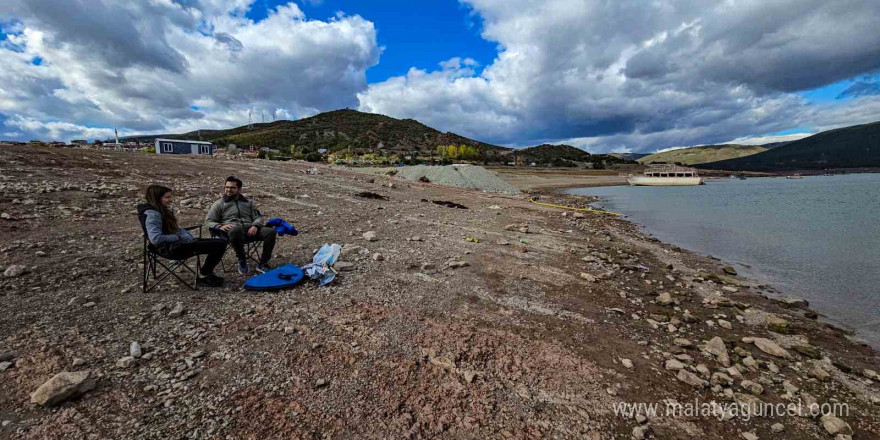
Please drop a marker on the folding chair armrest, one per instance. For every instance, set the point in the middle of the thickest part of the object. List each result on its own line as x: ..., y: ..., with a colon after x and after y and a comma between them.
x: 218, y: 233
x: 193, y: 228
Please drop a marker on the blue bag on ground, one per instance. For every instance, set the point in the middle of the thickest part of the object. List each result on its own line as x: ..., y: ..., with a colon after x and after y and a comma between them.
x: 319, y: 268
x: 282, y: 227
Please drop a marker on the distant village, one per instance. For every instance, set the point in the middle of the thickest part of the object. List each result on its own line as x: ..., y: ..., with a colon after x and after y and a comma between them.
x: 442, y: 155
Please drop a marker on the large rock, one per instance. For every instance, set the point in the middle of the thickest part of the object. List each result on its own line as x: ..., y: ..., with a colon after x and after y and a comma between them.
x: 770, y: 347
x: 716, y: 347
x: 62, y: 387
x: 835, y: 425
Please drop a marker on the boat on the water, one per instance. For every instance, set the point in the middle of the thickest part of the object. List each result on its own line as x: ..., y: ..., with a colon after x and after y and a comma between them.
x: 666, y: 175
x: 794, y: 176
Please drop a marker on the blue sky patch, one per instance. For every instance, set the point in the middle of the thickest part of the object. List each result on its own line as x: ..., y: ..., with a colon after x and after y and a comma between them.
x: 414, y: 34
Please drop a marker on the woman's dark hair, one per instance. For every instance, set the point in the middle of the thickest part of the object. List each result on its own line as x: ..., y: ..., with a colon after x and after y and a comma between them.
x: 236, y: 180
x: 154, y: 199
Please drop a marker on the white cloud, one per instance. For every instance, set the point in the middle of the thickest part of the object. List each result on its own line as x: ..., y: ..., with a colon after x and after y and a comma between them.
x: 140, y: 66
x: 642, y: 75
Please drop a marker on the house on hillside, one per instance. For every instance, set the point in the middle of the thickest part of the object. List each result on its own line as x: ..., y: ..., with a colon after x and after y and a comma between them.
x: 177, y: 146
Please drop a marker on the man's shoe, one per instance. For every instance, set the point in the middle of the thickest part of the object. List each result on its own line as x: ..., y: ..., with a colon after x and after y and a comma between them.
x: 243, y: 267
x: 208, y: 281
x: 263, y: 267
x: 214, y: 279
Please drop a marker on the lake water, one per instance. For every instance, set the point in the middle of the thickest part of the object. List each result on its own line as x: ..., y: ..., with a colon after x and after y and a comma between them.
x: 817, y: 238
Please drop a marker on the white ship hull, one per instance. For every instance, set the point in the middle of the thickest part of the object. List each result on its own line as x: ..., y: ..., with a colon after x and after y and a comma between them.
x: 664, y: 181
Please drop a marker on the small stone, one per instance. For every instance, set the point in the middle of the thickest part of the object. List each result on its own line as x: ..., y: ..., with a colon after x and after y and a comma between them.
x: 454, y: 264
x: 320, y: 383
x: 819, y: 373
x: 61, y: 387
x: 703, y: 369
x: 370, y: 236
x: 870, y: 374
x: 89, y: 304
x: 5, y: 423
x: 589, y: 277
x: 689, y: 318
x: 5, y: 365
x: 135, y: 350
x: 125, y: 362
x: 789, y: 387
x: 750, y: 362
x: 78, y: 362
x: 777, y: 427
x: 778, y: 325
x: 770, y: 347
x: 682, y: 342
x: 725, y: 324
x: 15, y: 270
x: 752, y: 387
x: 640, y: 432
x: 6, y: 356
x: 749, y: 436
x: 641, y: 419
x: 343, y: 266
x: 378, y: 257
x: 664, y: 299
x: 673, y: 364
x: 469, y: 376
x: 716, y: 347
x: 690, y: 379
x: 627, y: 363
x: 177, y: 311
x: 729, y: 270
x: 808, y: 351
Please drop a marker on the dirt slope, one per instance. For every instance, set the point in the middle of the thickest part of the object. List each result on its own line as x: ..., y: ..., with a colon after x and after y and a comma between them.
x: 526, y: 340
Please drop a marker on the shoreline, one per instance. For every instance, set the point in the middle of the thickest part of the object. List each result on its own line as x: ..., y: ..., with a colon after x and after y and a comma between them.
x: 772, y: 292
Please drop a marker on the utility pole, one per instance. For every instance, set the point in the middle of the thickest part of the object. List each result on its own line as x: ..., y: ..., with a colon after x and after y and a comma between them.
x: 250, y: 121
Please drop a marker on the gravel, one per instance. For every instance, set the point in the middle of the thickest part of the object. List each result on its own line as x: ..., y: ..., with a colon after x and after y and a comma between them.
x: 461, y: 176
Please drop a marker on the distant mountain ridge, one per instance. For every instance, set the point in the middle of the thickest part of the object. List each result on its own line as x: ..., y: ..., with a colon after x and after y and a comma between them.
x: 337, y: 130
x: 702, y: 154
x: 857, y: 146
x: 547, y: 152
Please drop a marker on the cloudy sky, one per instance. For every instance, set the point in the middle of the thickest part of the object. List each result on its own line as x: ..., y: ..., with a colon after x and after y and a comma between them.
x: 625, y: 75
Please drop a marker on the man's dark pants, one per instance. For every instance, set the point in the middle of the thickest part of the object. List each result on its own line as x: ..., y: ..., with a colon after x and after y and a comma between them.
x: 238, y: 237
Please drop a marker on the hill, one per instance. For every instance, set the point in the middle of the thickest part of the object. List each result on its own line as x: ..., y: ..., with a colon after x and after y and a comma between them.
x: 547, y: 153
x: 850, y: 147
x: 337, y: 130
x: 629, y: 156
x: 707, y: 153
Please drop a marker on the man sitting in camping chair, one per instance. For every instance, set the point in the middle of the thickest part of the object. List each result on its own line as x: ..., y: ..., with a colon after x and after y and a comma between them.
x: 235, y: 218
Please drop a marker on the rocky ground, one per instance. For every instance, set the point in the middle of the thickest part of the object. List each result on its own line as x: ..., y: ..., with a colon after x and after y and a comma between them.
x: 503, y: 320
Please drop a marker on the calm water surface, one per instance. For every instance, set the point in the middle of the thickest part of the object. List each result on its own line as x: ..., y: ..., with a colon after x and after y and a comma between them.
x: 817, y: 237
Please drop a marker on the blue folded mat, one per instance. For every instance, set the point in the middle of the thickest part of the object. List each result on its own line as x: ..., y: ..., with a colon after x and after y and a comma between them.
x: 281, y: 277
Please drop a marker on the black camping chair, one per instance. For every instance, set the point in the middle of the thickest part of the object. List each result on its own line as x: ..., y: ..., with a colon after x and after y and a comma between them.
x: 154, y: 264
x: 253, y: 248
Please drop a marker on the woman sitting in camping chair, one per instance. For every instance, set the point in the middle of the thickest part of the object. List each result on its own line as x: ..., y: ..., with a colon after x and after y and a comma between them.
x: 175, y: 242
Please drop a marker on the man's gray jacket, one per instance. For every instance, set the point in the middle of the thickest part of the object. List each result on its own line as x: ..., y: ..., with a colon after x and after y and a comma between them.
x: 239, y: 211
